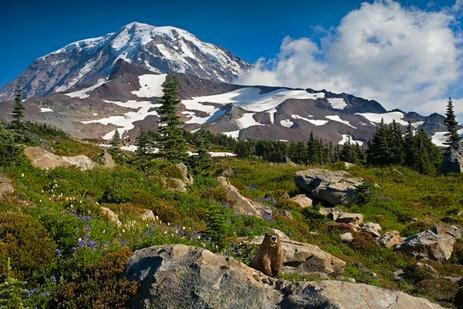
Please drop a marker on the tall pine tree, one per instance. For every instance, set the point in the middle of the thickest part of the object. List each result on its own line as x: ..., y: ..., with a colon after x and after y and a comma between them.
x: 452, y: 126
x: 17, y: 124
x: 172, y: 143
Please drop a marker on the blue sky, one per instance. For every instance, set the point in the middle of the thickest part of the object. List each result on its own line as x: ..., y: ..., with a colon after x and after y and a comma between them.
x: 249, y: 29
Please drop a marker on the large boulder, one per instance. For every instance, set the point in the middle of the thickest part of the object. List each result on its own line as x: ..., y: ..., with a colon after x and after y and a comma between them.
x: 241, y: 204
x: 332, y: 187
x: 389, y: 239
x: 40, y: 158
x: 302, y: 200
x: 184, y: 175
x: 303, y: 258
x: 110, y: 215
x: 428, y: 244
x: 6, y: 187
x: 453, y: 160
x: 174, y: 184
x: 179, y: 276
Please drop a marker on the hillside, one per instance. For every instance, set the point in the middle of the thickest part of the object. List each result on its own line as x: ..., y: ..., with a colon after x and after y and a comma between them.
x: 69, y: 232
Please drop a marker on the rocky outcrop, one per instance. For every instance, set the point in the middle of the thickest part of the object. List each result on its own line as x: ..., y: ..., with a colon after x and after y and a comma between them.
x: 389, y: 239
x: 302, y: 200
x: 241, y: 204
x: 174, y: 184
x: 184, y: 175
x: 302, y: 258
x: 332, y: 187
x: 179, y: 276
x: 40, y: 158
x: 107, y: 160
x: 181, y: 183
x: 6, y: 187
x: 453, y: 160
x: 435, y: 244
x: 110, y: 215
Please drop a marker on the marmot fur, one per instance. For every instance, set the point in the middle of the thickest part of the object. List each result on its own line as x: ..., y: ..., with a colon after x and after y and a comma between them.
x: 270, y: 256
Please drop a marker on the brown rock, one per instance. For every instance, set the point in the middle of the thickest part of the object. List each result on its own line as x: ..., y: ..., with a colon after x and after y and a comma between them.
x: 6, y: 187
x: 389, y: 239
x: 242, y: 205
x: 302, y: 200
x: 40, y: 158
x: 111, y: 215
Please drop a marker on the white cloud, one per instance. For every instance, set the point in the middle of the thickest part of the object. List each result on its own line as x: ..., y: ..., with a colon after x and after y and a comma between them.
x: 399, y: 56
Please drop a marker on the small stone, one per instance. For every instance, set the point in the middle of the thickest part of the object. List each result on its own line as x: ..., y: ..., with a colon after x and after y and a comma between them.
x: 347, y: 237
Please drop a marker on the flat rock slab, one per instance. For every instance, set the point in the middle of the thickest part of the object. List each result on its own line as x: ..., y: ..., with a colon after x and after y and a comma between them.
x: 40, y: 158
x: 332, y: 187
x: 179, y: 276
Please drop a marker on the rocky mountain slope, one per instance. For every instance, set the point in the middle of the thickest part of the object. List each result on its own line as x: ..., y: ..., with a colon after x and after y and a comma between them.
x: 158, y: 49
x: 127, y: 101
x: 92, y: 87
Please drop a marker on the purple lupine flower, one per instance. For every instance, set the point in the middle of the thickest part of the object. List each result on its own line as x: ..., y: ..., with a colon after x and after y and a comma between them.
x: 91, y: 244
x: 53, y: 279
x: 87, y: 227
x: 124, y: 242
x: 58, y: 252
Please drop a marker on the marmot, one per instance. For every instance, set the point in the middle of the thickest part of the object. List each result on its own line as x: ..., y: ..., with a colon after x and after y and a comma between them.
x: 270, y: 256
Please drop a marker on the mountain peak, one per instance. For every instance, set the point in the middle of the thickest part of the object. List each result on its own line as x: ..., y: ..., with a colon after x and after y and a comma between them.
x: 159, y: 49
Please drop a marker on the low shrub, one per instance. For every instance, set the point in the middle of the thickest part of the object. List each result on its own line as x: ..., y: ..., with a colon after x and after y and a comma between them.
x: 26, y: 242
x: 99, y: 285
x: 165, y: 211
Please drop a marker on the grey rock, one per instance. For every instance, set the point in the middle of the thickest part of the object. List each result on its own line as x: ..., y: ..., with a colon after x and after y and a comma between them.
x: 241, y: 204
x: 332, y: 187
x: 303, y: 258
x: 184, y: 175
x: 179, y: 276
x: 302, y: 200
x: 428, y: 245
x: 389, y: 239
x: 6, y: 187
x: 40, y: 158
x: 453, y: 160
x: 347, y: 237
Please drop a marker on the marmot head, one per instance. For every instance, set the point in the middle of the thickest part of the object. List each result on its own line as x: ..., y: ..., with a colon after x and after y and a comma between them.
x: 272, y: 239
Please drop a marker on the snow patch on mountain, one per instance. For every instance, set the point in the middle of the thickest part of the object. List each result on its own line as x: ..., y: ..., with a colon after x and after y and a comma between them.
x: 83, y: 93
x: 125, y: 123
x: 337, y: 103
x: 286, y: 123
x: 348, y: 137
x: 246, y: 121
x: 151, y: 85
x: 45, y: 110
x: 386, y: 117
x: 312, y: 121
x: 439, y: 138
x: 338, y: 119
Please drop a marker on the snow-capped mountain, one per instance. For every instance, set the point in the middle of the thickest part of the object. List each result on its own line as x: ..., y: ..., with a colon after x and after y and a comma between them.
x: 128, y: 99
x: 157, y: 49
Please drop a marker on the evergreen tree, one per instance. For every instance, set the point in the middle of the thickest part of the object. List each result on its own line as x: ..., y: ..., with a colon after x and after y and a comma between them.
x: 11, y: 291
x: 409, y: 151
x: 203, y: 160
x: 17, y: 124
x: 243, y: 149
x: 313, y: 152
x: 452, y: 126
x: 115, y: 148
x: 428, y: 158
x: 386, y: 146
x: 173, y: 143
x: 142, y: 144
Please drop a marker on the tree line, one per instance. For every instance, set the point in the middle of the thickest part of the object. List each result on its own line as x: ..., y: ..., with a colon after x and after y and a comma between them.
x: 390, y: 145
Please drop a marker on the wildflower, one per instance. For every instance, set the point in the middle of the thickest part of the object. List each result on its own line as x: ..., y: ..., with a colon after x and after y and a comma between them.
x: 58, y: 252
x: 91, y: 244
x: 53, y: 279
x: 123, y: 242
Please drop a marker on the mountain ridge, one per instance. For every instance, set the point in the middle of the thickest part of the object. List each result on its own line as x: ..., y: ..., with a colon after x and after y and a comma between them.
x: 163, y: 49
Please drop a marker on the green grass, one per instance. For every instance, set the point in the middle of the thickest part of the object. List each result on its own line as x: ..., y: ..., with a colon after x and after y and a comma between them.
x: 67, y: 201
